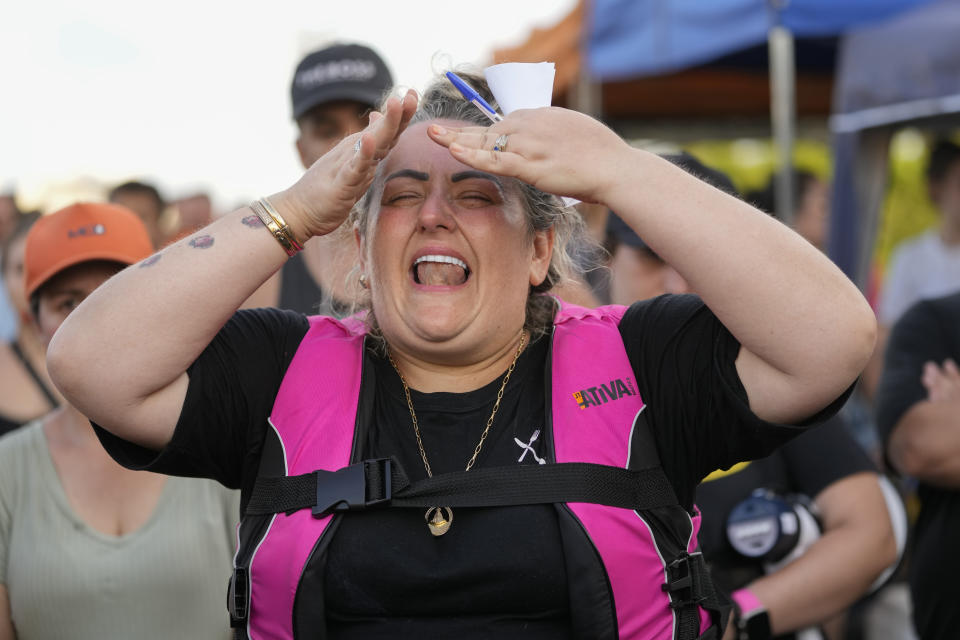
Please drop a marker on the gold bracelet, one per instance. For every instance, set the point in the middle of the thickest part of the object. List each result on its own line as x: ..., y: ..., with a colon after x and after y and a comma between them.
x: 272, y: 227
x: 282, y: 223
x: 281, y: 233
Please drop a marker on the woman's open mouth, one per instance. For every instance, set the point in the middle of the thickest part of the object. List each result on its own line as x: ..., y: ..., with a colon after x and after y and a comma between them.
x: 440, y: 271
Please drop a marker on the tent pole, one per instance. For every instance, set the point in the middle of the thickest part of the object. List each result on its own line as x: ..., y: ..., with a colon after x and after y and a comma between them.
x: 783, y: 113
x: 586, y: 94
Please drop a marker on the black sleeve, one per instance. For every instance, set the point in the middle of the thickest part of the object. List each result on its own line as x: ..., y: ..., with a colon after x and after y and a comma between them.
x: 685, y: 363
x: 916, y: 338
x: 822, y: 455
x: 229, y: 398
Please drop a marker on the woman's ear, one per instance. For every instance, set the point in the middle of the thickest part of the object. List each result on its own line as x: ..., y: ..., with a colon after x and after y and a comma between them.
x: 542, y: 254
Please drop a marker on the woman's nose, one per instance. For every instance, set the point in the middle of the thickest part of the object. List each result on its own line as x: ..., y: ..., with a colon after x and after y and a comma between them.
x: 435, y: 213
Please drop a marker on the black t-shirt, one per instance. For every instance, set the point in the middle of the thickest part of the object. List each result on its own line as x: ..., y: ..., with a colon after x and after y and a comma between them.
x: 298, y: 290
x: 806, y: 465
x: 684, y: 362
x: 928, y: 331
x: 301, y: 293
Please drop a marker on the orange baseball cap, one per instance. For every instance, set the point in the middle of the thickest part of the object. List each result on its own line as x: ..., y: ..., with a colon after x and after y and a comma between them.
x: 82, y: 232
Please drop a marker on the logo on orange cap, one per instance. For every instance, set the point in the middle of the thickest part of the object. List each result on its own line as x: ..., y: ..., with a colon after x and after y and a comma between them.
x: 82, y: 232
x: 89, y: 230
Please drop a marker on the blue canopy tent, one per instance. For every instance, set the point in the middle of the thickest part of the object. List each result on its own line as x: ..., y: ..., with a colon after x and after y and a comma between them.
x: 643, y: 37
x: 902, y: 72
x: 631, y: 38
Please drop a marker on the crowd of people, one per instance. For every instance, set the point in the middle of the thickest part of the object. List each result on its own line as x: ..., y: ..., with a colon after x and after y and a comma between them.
x: 416, y: 393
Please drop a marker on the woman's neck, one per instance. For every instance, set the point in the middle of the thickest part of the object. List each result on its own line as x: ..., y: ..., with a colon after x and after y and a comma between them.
x: 68, y: 428
x: 428, y: 376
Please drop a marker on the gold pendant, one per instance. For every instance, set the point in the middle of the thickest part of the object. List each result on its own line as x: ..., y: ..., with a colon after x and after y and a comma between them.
x: 439, y: 519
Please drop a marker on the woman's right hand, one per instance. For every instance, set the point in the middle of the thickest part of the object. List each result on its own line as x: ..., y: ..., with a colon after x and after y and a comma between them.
x: 559, y: 151
x: 323, y: 197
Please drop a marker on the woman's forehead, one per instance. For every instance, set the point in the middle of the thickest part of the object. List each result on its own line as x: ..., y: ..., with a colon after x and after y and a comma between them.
x: 415, y: 149
x: 416, y: 154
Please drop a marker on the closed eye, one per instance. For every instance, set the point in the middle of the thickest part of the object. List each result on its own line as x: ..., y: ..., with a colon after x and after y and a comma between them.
x: 473, y: 195
x: 401, y: 198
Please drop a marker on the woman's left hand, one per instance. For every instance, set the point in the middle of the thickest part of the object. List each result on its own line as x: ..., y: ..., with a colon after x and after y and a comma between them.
x: 559, y: 151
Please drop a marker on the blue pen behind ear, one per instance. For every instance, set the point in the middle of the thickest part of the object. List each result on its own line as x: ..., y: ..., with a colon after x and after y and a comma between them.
x: 470, y: 94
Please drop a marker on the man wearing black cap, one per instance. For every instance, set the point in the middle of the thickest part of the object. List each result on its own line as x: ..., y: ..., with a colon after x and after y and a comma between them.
x: 332, y: 92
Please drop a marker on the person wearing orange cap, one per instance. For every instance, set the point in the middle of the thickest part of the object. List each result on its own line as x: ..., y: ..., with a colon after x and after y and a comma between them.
x: 89, y: 549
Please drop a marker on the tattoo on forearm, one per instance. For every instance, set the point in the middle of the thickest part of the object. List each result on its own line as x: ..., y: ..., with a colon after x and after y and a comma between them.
x: 253, y: 221
x: 152, y: 260
x: 202, y: 242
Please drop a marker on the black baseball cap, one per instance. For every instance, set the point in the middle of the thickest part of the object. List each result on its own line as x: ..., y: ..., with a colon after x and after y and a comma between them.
x: 621, y: 233
x: 711, y: 176
x: 339, y: 72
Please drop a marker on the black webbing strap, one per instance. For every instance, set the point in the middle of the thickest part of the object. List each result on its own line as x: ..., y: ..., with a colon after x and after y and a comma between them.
x: 690, y: 587
x: 711, y: 633
x: 382, y: 482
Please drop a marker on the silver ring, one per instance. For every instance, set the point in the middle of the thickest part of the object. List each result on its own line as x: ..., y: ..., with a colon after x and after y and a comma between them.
x: 501, y: 143
x: 356, y: 145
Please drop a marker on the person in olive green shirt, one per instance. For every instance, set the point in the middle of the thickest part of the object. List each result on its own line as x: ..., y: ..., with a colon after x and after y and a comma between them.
x: 89, y: 549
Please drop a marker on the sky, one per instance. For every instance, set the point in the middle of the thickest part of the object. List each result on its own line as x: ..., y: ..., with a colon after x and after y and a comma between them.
x: 194, y: 95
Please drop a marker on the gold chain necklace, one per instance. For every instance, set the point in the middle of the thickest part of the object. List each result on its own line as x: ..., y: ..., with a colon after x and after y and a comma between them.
x: 439, y: 519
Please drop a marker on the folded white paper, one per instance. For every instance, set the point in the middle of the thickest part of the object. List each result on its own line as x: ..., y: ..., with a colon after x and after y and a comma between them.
x: 521, y: 85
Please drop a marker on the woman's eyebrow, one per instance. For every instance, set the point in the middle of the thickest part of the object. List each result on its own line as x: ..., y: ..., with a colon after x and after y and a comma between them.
x: 482, y: 175
x: 408, y: 173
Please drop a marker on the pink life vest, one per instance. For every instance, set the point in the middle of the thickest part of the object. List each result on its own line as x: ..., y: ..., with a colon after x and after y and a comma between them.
x: 596, y: 414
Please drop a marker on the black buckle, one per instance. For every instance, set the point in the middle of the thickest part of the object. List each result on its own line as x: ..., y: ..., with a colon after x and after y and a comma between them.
x: 361, y: 485
x: 685, y: 580
x: 238, y: 597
